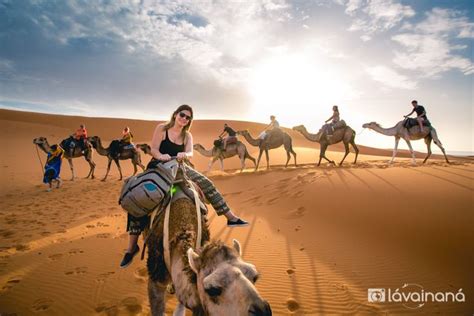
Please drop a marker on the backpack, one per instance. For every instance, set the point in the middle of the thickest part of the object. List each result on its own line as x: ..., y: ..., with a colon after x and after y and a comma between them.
x: 142, y: 193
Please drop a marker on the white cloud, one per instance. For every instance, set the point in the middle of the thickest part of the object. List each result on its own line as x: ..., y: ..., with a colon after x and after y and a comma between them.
x: 390, y: 78
x: 373, y: 16
x: 429, y: 48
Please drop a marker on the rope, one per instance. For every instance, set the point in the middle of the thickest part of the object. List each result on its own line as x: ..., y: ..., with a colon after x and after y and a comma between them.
x: 39, y: 157
x: 363, y: 129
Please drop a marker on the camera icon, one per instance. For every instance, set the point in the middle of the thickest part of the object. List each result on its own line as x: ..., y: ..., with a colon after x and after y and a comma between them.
x: 376, y: 295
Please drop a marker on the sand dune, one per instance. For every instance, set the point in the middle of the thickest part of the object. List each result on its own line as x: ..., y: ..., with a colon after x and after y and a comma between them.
x: 320, y: 237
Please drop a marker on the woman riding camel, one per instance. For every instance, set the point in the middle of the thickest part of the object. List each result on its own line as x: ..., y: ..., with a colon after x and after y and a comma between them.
x: 174, y: 139
x: 328, y: 129
x: 127, y: 139
x: 274, y: 125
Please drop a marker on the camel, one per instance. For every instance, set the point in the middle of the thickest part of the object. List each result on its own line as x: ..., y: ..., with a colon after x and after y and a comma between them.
x: 346, y: 135
x: 43, y: 144
x: 215, y: 280
x: 238, y: 148
x: 124, y: 154
x: 277, y: 139
x: 414, y: 133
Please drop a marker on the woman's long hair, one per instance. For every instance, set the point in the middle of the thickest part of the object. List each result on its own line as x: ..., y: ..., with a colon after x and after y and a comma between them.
x: 171, y: 122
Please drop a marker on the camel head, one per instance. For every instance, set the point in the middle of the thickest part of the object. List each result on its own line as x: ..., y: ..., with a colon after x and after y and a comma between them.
x: 145, y: 148
x: 299, y: 128
x: 40, y: 141
x: 371, y: 125
x: 94, y: 140
x: 225, y: 282
x: 198, y: 147
x: 243, y: 132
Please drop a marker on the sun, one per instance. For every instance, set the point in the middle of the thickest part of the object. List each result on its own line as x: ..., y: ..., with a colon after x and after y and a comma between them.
x: 292, y: 86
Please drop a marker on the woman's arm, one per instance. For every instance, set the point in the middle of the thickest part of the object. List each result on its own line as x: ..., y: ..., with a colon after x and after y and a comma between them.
x: 188, y: 147
x: 329, y: 119
x: 410, y: 113
x: 156, y: 141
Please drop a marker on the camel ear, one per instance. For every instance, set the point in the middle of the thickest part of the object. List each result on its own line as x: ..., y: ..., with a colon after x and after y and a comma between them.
x: 237, y: 247
x: 194, y: 260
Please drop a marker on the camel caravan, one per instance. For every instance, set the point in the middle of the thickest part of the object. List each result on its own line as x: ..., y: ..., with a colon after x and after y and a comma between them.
x: 168, y: 203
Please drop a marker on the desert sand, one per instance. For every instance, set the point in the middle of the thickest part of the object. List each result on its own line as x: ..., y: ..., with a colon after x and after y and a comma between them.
x: 319, y: 236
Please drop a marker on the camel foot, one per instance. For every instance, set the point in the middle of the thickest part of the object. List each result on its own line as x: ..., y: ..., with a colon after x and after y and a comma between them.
x: 103, y: 180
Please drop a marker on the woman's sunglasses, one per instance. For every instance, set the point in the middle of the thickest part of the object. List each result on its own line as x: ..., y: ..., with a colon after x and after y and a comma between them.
x: 184, y: 115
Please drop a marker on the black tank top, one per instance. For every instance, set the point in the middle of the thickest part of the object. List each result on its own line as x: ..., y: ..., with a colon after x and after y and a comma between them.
x: 170, y: 148
x: 166, y: 147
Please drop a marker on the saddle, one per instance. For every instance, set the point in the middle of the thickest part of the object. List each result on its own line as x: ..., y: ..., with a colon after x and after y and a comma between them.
x: 340, y: 124
x: 411, y: 122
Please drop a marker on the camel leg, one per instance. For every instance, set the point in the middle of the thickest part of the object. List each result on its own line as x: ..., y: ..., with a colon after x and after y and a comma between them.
x: 294, y: 156
x: 395, y: 149
x: 72, y: 168
x: 268, y: 160
x: 436, y: 140
x: 117, y: 162
x: 258, y: 159
x: 221, y: 161
x: 180, y: 310
x: 242, y: 161
x: 288, y: 157
x: 247, y: 156
x: 108, y: 169
x: 323, y: 155
x: 88, y: 157
x: 428, y: 147
x: 411, y: 151
x: 346, y: 147
x: 211, y: 162
x: 156, y: 296
x: 356, y: 149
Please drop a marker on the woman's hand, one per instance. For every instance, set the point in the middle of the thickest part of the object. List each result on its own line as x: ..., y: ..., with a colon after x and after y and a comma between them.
x: 181, y: 156
x: 164, y: 157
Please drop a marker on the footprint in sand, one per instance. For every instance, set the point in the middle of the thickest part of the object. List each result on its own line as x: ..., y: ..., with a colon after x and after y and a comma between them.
x: 129, y: 305
x: 6, y: 233
x: 45, y: 233
x: 290, y: 271
x: 141, y: 274
x: 55, y: 256
x: 297, y: 194
x: 272, y: 200
x: 11, y: 283
x: 292, y: 305
x: 22, y: 247
x: 103, y: 235
x: 104, y: 276
x: 296, y: 213
x: 75, y: 251
x: 132, y: 305
x: 41, y: 305
x: 78, y: 270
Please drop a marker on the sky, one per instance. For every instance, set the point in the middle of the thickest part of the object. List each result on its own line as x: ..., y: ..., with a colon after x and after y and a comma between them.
x: 245, y: 60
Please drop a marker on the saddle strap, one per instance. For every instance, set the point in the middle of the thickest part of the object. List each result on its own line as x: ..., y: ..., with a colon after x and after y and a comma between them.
x: 166, y: 236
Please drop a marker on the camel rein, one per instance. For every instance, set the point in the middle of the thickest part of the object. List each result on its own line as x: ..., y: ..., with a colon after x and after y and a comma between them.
x: 39, y: 157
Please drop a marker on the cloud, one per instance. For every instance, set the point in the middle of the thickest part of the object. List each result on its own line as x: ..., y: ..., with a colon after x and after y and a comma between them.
x: 433, y: 46
x: 390, y: 78
x: 146, y: 52
x: 375, y: 16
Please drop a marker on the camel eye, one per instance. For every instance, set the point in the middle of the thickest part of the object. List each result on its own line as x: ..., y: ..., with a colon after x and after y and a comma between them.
x: 213, y: 291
